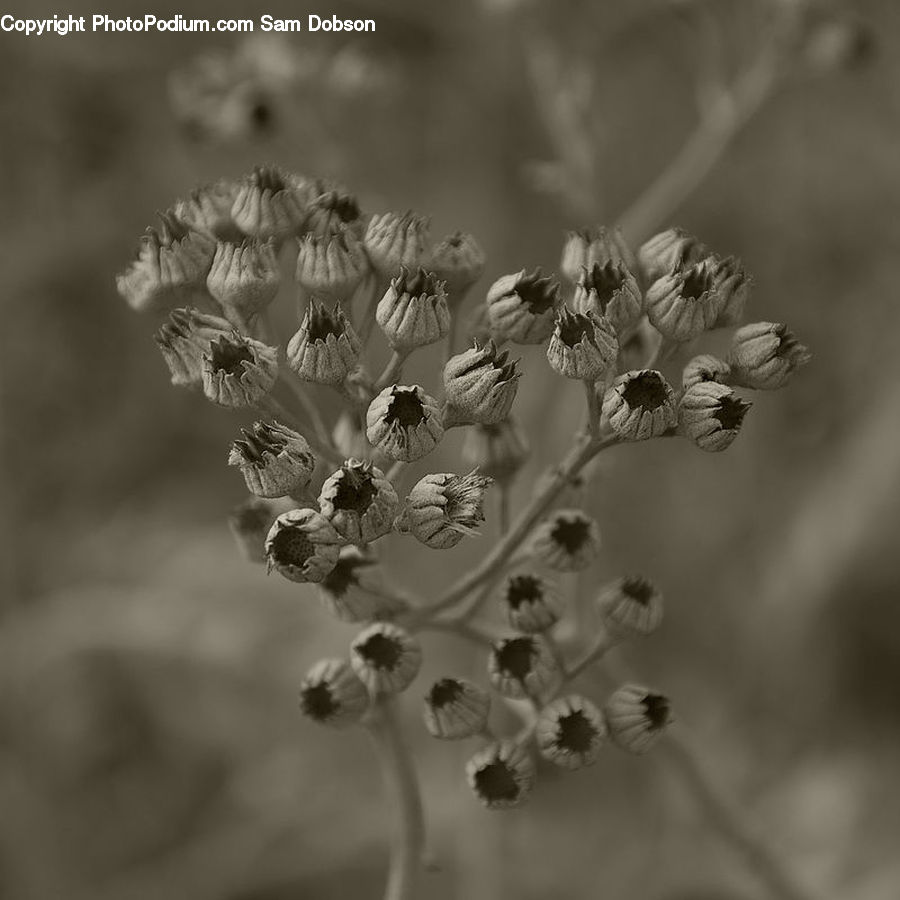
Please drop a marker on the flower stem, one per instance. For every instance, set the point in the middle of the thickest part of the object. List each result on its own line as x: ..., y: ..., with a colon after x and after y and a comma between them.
x: 392, y: 370
x: 593, y: 408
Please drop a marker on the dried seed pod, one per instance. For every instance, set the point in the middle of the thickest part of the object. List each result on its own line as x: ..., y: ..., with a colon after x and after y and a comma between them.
x: 303, y: 546
x: 568, y: 540
x: 244, y: 278
x: 522, y: 307
x: 733, y: 285
x: 455, y: 709
x: 334, y: 211
x: 359, y: 502
x: 687, y: 302
x: 480, y: 385
x: 640, y: 405
x: 274, y: 460
x: 238, y: 371
x: 765, y: 355
x: 270, y: 203
x: 582, y: 346
x: 532, y: 603
x: 593, y: 246
x: 609, y: 291
x: 331, y: 694
x: 458, y: 261
x: 352, y: 593
x: 711, y: 415
x: 705, y: 368
x: 413, y: 311
x: 331, y: 265
x: 404, y: 423
x: 393, y: 240
x: 183, y: 340
x: 637, y: 717
x: 501, y: 775
x: 571, y: 732
x: 522, y: 666
x: 386, y: 658
x: 325, y: 349
x: 208, y: 210
x: 669, y: 251
x: 630, y: 606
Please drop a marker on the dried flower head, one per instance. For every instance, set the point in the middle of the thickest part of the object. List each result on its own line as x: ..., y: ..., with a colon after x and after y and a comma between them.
x: 589, y: 246
x: 325, y: 349
x: 244, y: 278
x: 532, y: 603
x: 270, y: 203
x: 705, y: 368
x: 303, y: 546
x: 442, y: 509
x: 765, y: 355
x: 459, y: 262
x: 352, y: 593
x: 332, y: 265
x: 522, y: 666
x: 686, y: 302
x: 733, y: 285
x: 571, y: 732
x: 480, y: 385
x: 386, y: 658
x: 404, y: 423
x: 631, y: 606
x: 501, y: 775
x: 582, y: 346
x: 331, y: 694
x: 498, y: 451
x: 455, y: 709
x: 238, y: 371
x: 637, y: 717
x: 413, y: 311
x: 611, y: 291
x: 711, y: 415
x: 250, y: 522
x: 668, y: 252
x: 359, y: 502
x: 274, y: 460
x: 393, y: 240
x: 522, y: 307
x: 640, y: 405
x: 183, y: 340
x: 568, y: 540
x: 208, y: 210
x: 332, y: 212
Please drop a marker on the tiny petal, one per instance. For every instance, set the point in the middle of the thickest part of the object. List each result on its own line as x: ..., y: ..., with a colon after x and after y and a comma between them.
x: 455, y: 709
x: 631, y: 607
x: 637, y: 717
x: 711, y: 415
x: 501, y: 775
x: 359, y: 502
x: 413, y: 311
x: 386, y: 658
x: 331, y: 694
x: 571, y: 732
x: 522, y: 307
x: 238, y: 371
x: 480, y: 385
x: 274, y: 460
x: 640, y: 405
x: 532, y: 603
x: 442, y: 509
x: 765, y: 355
x: 522, y: 666
x: 582, y: 346
x: 568, y: 541
x: 404, y: 423
x: 325, y: 349
x: 303, y: 546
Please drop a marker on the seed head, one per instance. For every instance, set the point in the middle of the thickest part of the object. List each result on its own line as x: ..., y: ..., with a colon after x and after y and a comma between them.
x: 238, y: 371
x: 705, y: 368
x: 733, y: 285
x: 631, y: 606
x: 522, y: 666
x: 208, y: 210
x: 303, y: 546
x: 331, y: 694
x: 385, y: 658
x: 711, y: 415
x: 568, y: 540
x: 270, y: 203
x: 244, y: 278
x: 501, y: 775
x: 393, y: 240
x: 670, y: 251
x: 589, y: 246
x: 274, y: 460
x: 404, y: 423
x: 532, y: 603
x: 455, y: 709
x: 609, y: 291
x: 522, y: 307
x: 458, y: 261
x: 571, y: 732
x: 582, y: 346
x: 334, y: 211
x: 325, y: 349
x: 637, y: 717
x: 765, y: 355
x: 331, y: 265
x: 413, y: 312
x: 480, y: 385
x: 687, y: 302
x: 184, y: 338
x: 640, y: 405
x: 359, y: 502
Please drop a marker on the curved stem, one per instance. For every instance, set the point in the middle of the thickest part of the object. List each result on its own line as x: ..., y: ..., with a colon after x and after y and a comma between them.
x: 309, y: 408
x: 392, y: 370
x: 593, y: 408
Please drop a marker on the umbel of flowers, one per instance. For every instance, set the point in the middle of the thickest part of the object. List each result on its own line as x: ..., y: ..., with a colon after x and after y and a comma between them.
x: 326, y: 491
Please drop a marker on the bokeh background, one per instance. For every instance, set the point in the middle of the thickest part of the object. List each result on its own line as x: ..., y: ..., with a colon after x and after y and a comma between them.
x: 150, y: 745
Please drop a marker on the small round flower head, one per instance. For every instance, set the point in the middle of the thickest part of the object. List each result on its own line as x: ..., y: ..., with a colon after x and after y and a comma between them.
x: 686, y: 302
x: 455, y: 709
x: 571, y: 732
x: 208, y: 210
x: 269, y: 203
x: 531, y: 602
x: 765, y: 355
x: 352, y: 593
x: 480, y: 385
x: 522, y: 307
x: 442, y: 509
x: 498, y: 451
x: 733, y: 285
x: 244, y: 278
x: 333, y: 211
x: 637, y: 717
x: 331, y: 694
x: 568, y: 540
x: 582, y: 346
x: 325, y: 349
x: 385, y: 658
x: 502, y: 774
x: 183, y: 340
x: 705, y: 368
x: 668, y: 252
x: 458, y: 261
x: 711, y: 415
x: 332, y: 265
x: 393, y: 240
x: 303, y: 546
x: 238, y: 371
x: 631, y: 607
x: 404, y: 423
x: 250, y: 522
x: 413, y: 311
x: 640, y: 405
x: 522, y: 666
x: 611, y: 291
x: 359, y: 502
x: 170, y: 267
x: 274, y: 460
x: 588, y: 246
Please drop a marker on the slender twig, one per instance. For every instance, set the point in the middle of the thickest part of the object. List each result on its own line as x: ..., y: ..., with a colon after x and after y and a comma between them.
x: 593, y: 408
x: 298, y: 390
x: 377, y: 286
x: 392, y: 370
x: 465, y: 630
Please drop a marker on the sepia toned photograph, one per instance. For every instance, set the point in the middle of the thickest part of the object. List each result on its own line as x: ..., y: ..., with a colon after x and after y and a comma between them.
x: 451, y: 450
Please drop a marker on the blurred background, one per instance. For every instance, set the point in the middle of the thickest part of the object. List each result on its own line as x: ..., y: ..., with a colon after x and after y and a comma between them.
x: 150, y: 744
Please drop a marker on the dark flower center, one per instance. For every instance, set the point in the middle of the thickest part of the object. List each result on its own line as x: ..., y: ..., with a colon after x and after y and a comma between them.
x: 405, y: 408
x: 574, y: 328
x: 344, y: 206
x: 515, y: 657
x: 572, y: 534
x: 268, y: 179
x: 524, y: 589
x: 229, y: 357
x: 647, y: 391
x: 575, y: 732
x: 381, y: 651
x: 444, y: 692
x: 639, y: 589
x: 538, y: 293
x: 697, y: 282
x: 730, y: 412
x: 355, y: 490
x: 495, y: 782
x: 323, y: 323
x: 604, y: 281
x: 262, y: 439
x: 292, y: 547
x: 657, y: 709
x: 318, y: 703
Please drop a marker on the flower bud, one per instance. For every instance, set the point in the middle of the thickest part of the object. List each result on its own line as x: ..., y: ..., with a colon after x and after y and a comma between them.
x: 393, y: 240
x: 170, y: 267
x: 442, y: 509
x: 568, y: 541
x: 331, y: 694
x: 455, y: 709
x: 274, y: 460
x: 630, y: 607
x: 582, y: 346
x: 244, y: 278
x: 332, y: 265
x: 705, y: 368
x: 208, y: 210
x: 733, y: 285
x: 522, y: 666
x: 238, y: 371
x: 640, y: 405
x: 325, y: 349
x: 685, y: 303
x: 332, y: 212
x: 498, y: 451
x: 359, y: 502
x: 404, y: 423
x: 571, y: 732
x: 532, y: 603
x: 711, y: 415
x: 589, y: 246
x: 637, y: 717
x: 501, y: 775
x: 458, y: 261
x: 352, y: 594
x: 480, y: 385
x: 522, y: 307
x: 303, y: 546
x: 250, y: 522
x: 612, y: 291
x: 385, y: 658
x: 413, y: 311
x: 269, y: 203
x: 765, y: 355
x: 183, y: 340
x: 668, y: 252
